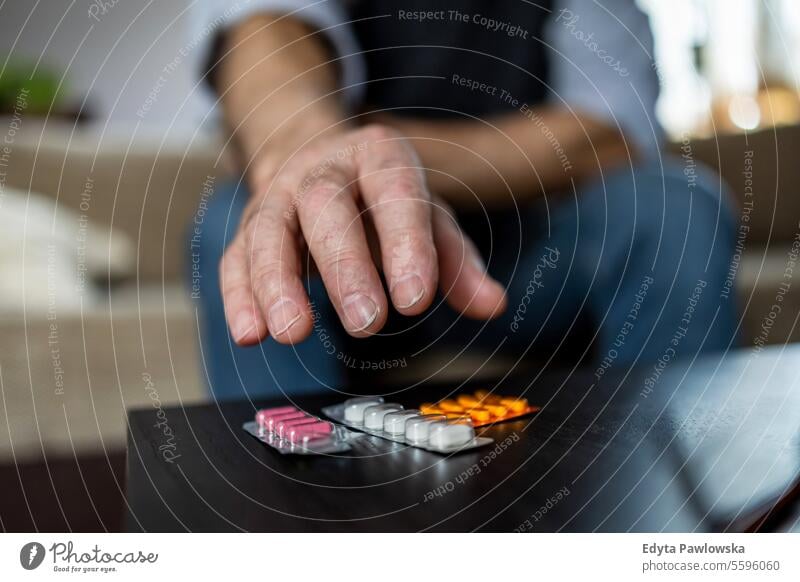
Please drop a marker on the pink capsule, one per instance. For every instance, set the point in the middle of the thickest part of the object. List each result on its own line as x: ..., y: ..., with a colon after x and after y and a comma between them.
x: 272, y: 421
x: 265, y: 413
x: 282, y: 427
x: 305, y: 432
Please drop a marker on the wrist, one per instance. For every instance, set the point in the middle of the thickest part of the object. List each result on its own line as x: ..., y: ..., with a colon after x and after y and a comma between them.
x: 266, y: 157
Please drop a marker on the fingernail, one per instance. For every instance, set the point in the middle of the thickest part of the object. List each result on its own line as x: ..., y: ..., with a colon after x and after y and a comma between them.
x: 360, y: 312
x: 497, y: 285
x: 242, y: 326
x: 282, y: 316
x: 407, y: 291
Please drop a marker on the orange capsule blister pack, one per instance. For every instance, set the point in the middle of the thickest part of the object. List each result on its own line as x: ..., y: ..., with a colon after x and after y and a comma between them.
x: 481, y: 407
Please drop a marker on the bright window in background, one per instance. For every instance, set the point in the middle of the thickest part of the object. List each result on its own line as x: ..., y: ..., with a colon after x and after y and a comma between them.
x: 726, y: 65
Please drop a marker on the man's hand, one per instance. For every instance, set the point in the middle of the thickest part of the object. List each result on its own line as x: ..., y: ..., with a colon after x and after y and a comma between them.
x: 325, y: 198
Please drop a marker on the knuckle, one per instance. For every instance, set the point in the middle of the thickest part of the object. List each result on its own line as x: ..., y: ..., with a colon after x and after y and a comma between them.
x: 267, y: 272
x: 379, y: 132
x: 403, y: 186
x: 266, y: 226
x: 319, y: 197
x: 282, y: 183
x: 409, y: 246
x: 340, y: 261
x: 236, y: 290
x: 231, y: 258
x: 258, y: 216
x: 327, y: 241
x: 304, y: 158
x: 413, y: 238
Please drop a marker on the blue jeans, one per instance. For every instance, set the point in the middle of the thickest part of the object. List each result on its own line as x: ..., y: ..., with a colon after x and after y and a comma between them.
x: 641, y: 256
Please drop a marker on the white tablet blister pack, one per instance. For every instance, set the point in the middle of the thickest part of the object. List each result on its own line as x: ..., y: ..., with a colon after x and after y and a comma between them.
x: 432, y: 432
x: 289, y: 430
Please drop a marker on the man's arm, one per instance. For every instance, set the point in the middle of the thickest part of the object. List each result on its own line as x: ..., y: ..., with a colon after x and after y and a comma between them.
x: 276, y: 91
x: 315, y: 183
x: 512, y: 157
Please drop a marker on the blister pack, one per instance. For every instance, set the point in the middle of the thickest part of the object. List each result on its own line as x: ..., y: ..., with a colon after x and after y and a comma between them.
x: 432, y: 432
x: 482, y: 407
x: 289, y: 430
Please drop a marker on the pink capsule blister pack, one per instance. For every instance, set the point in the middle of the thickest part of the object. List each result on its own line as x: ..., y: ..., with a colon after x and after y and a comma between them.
x: 289, y: 430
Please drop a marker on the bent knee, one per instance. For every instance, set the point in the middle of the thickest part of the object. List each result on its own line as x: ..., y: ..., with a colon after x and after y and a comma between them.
x: 670, y: 197
x: 689, y: 190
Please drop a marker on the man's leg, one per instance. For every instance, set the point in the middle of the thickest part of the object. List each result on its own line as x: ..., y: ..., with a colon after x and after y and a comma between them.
x: 269, y: 369
x: 645, y: 253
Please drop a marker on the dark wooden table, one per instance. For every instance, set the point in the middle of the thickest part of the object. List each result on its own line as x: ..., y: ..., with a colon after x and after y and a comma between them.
x: 712, y: 446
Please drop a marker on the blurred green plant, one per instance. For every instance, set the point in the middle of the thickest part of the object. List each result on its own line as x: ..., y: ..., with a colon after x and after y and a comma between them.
x: 38, y: 88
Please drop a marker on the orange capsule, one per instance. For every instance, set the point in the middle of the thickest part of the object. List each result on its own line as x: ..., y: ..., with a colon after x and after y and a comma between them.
x: 496, y: 409
x: 451, y: 405
x: 515, y: 404
x: 430, y: 408
x: 486, y: 398
x: 480, y: 414
x: 467, y: 401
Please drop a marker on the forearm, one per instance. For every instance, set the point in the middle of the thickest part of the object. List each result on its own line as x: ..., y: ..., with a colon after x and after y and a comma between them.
x: 514, y: 156
x: 276, y: 88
